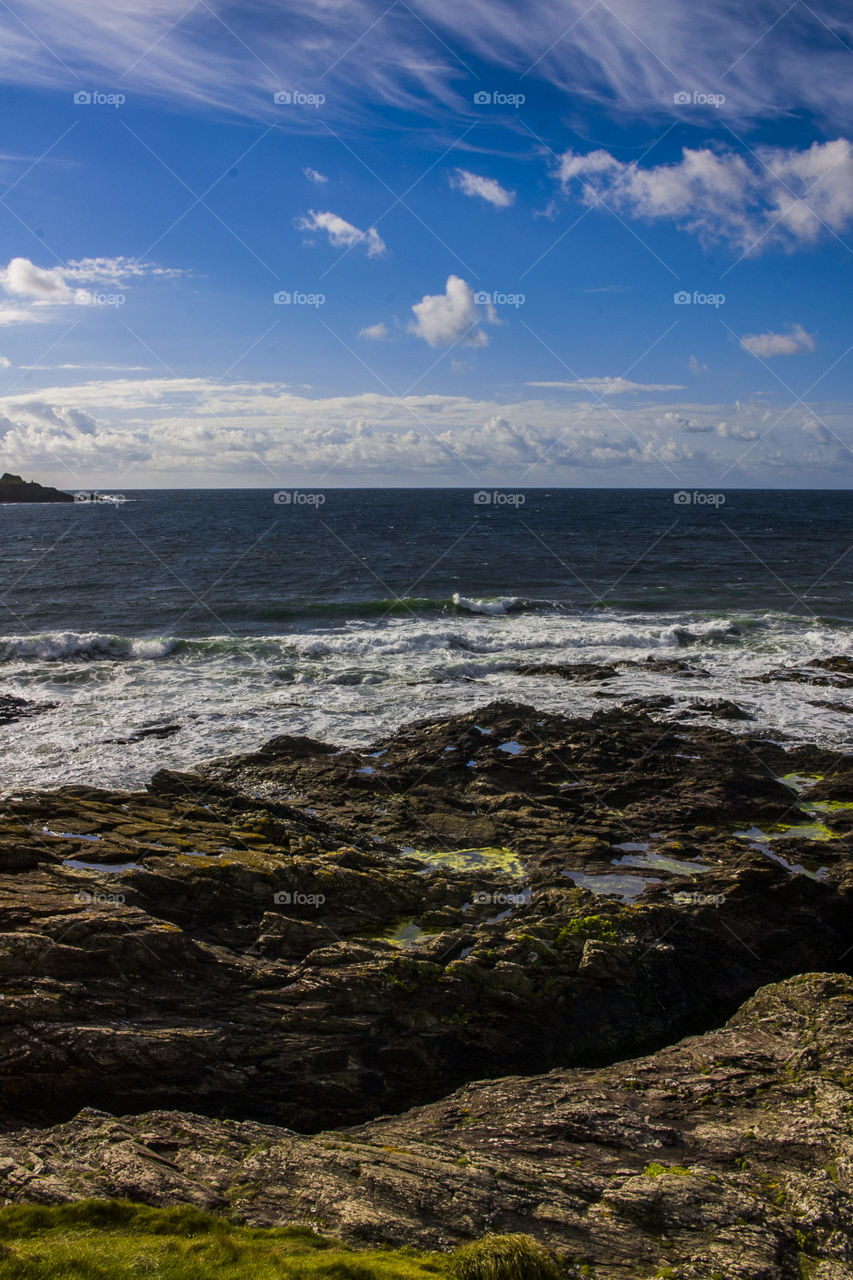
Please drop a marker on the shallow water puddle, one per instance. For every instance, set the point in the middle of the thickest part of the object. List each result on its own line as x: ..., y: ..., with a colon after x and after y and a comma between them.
x: 107, y: 868
x: 408, y: 933
x: 660, y: 862
x: 69, y: 835
x: 611, y: 885
x: 795, y: 868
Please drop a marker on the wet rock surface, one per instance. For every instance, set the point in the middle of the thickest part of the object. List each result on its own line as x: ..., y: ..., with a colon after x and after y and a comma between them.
x: 313, y: 936
x: 726, y: 1155
x: 13, y: 708
x: 305, y: 938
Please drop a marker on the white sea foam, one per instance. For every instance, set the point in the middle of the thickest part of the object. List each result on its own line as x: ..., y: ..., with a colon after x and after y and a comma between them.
x: 59, y: 646
x: 498, y: 607
x: 352, y: 684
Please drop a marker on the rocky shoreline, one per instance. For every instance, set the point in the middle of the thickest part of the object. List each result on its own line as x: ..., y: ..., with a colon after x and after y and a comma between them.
x: 404, y: 939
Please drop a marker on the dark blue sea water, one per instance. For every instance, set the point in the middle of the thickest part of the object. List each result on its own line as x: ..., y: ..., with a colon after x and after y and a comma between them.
x: 234, y: 615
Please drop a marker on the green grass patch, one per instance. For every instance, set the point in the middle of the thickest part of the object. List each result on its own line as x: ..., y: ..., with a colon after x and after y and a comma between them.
x: 656, y: 1170
x: 107, y: 1239
x: 112, y: 1239
x: 510, y: 1257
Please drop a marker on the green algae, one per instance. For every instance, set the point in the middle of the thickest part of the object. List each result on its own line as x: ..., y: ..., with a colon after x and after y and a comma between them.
x: 800, y: 781
x: 494, y: 859
x: 790, y: 831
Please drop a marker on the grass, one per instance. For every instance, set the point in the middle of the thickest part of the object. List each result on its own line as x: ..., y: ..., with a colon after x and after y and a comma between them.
x: 510, y: 1257
x: 108, y: 1239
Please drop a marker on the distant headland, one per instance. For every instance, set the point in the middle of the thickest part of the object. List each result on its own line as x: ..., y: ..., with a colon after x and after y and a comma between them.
x: 15, y: 489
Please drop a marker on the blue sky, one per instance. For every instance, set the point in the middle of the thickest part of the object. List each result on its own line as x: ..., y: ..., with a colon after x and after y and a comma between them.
x: 512, y: 244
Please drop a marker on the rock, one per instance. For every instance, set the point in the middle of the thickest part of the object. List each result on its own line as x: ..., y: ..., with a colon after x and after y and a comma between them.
x: 667, y: 666
x: 585, y: 672
x: 311, y: 937
x: 12, y: 708
x: 836, y: 672
x: 727, y: 1154
x: 14, y: 489
x: 721, y: 709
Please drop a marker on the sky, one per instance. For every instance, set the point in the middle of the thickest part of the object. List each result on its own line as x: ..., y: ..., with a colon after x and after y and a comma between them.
x: 358, y: 243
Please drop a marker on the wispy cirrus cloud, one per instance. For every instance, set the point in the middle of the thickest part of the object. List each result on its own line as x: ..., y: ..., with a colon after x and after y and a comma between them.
x: 768, y: 59
x: 342, y: 234
x: 776, y: 197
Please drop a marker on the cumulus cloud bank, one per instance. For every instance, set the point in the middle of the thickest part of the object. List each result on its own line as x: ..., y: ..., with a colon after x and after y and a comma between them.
x: 149, y: 431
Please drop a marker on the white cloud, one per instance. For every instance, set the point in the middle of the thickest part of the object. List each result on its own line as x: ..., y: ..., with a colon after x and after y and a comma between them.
x: 375, y: 332
x: 5, y: 362
x: 778, y: 344
x: 38, y: 289
x: 342, y: 234
x: 24, y: 278
x: 194, y: 431
x: 627, y: 55
x: 696, y: 366
x: 19, y: 315
x: 777, y: 198
x: 814, y: 427
x: 733, y: 431
x: 608, y: 386
x: 443, y: 319
x: 314, y: 176
x: 472, y: 184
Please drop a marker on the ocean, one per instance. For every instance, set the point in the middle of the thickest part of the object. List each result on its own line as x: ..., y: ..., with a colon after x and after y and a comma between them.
x: 220, y: 618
